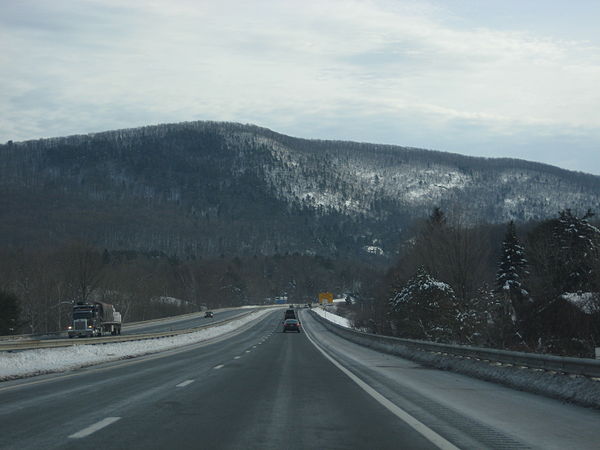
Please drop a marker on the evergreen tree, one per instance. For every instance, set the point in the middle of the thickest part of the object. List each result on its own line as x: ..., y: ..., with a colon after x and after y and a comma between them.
x: 578, y: 250
x: 511, y: 273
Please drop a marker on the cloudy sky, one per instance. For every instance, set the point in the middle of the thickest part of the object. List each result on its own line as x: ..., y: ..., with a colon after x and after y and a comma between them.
x: 513, y: 78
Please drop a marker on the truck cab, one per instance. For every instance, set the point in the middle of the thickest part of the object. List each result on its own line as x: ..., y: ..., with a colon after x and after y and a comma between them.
x: 92, y: 319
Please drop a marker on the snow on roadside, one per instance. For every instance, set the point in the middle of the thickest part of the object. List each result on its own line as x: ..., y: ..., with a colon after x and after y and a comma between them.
x: 333, y: 317
x: 36, y: 362
x: 571, y: 388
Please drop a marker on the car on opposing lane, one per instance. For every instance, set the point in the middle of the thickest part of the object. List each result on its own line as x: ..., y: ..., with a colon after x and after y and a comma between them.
x: 291, y: 325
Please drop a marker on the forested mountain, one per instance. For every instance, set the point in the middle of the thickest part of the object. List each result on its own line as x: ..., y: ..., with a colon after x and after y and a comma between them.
x: 205, y: 189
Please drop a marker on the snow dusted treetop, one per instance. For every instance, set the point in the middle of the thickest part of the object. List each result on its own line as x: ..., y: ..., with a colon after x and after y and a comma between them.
x: 426, y: 308
x: 422, y: 285
x: 586, y: 302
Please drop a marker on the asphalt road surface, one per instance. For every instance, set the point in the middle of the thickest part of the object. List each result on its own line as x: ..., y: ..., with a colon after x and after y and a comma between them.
x: 263, y: 389
x: 168, y: 324
x: 176, y: 323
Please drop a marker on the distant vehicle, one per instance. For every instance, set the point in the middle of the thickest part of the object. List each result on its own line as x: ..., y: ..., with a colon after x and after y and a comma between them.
x: 289, y: 314
x: 93, y: 319
x: 209, y: 314
x: 291, y: 325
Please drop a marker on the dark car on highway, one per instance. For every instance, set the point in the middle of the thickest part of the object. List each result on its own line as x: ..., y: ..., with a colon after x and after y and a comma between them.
x: 291, y: 325
x: 208, y: 314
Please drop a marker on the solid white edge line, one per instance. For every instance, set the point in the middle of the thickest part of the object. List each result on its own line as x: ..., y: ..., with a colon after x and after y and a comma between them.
x: 184, y: 383
x: 418, y: 426
x: 93, y: 428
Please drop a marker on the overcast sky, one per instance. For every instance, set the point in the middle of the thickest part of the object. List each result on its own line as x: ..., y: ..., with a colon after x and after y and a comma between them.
x: 511, y: 78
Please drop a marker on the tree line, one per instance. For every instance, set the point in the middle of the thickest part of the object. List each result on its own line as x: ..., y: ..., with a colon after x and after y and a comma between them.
x: 38, y: 287
x: 532, y: 287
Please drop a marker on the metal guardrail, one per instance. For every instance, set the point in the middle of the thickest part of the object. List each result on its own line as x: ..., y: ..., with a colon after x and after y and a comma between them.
x: 126, y: 326
x: 38, y: 344
x: 577, y: 366
x: 132, y: 325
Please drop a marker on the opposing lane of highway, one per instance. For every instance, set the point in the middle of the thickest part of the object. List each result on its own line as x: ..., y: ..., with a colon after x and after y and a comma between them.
x: 182, y: 324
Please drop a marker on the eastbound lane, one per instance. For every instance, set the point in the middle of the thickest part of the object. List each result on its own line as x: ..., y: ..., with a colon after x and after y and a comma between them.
x: 258, y: 389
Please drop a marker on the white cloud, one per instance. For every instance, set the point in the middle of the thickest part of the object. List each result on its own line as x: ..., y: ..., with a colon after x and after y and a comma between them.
x: 77, y: 66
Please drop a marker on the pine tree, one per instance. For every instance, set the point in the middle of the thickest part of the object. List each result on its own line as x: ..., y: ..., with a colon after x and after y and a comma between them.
x: 578, y: 250
x: 511, y: 274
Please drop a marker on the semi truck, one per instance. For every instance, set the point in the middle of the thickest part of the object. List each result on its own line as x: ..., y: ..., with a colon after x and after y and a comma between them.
x: 93, y: 319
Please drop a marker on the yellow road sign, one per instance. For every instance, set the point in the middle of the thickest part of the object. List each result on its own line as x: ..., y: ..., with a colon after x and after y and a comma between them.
x: 325, y: 297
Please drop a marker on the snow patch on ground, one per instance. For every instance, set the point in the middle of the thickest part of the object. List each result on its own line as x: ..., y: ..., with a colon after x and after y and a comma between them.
x: 373, y: 249
x: 441, y: 181
x: 586, y: 302
x: 36, y: 362
x: 171, y: 301
x: 333, y: 317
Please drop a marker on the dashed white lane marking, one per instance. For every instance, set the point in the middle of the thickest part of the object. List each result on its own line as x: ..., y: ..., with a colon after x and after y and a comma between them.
x: 254, y: 346
x: 236, y: 357
x: 418, y: 426
x: 247, y: 351
x: 220, y: 366
x: 185, y: 383
x: 93, y: 428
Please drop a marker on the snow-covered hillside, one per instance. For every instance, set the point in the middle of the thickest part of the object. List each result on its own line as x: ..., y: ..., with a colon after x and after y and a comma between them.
x: 208, y: 188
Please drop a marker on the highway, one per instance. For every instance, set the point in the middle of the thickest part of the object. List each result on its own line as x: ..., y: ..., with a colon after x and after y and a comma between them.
x: 259, y: 388
x: 166, y: 324
x: 178, y: 323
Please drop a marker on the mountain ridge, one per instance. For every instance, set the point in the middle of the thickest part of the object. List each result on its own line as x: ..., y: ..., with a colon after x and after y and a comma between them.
x: 192, y: 124
x: 203, y: 188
